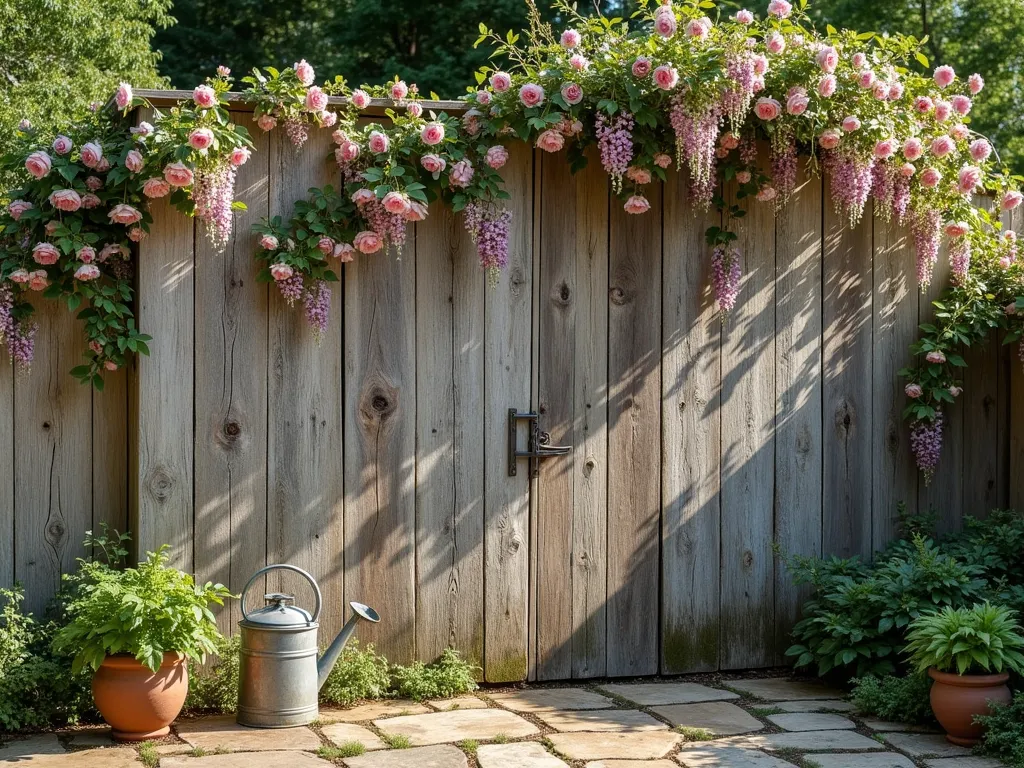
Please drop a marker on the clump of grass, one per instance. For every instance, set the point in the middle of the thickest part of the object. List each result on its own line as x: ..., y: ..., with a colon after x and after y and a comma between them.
x: 148, y: 754
x: 396, y: 740
x: 361, y: 673
x: 469, y: 746
x: 501, y: 738
x: 695, y: 734
x: 765, y: 711
x: 449, y: 676
x: 197, y: 752
x: 348, y: 749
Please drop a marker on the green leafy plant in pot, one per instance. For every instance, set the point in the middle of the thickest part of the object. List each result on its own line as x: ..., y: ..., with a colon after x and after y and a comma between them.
x: 968, y: 653
x: 137, y: 628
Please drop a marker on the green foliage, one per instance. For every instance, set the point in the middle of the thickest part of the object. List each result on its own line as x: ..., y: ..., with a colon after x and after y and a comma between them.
x: 900, y: 699
x: 469, y: 746
x: 214, y: 688
x: 449, y: 676
x: 348, y: 749
x: 983, y: 638
x: 396, y: 740
x: 695, y: 734
x: 148, y: 754
x: 360, y: 673
x: 144, y: 611
x: 1004, y: 732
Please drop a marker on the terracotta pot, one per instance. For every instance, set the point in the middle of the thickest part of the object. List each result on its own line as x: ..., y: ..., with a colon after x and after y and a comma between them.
x: 956, y: 699
x: 137, y: 703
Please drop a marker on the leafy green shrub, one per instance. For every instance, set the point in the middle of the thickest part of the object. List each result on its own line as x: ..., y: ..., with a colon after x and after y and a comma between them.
x: 981, y: 639
x: 449, y: 676
x: 215, y: 688
x: 900, y: 699
x: 1004, y: 732
x: 995, y: 543
x: 360, y: 673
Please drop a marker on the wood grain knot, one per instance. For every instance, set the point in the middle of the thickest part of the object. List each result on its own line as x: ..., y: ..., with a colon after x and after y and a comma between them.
x: 588, y: 467
x: 618, y: 296
x: 379, y: 402
x: 748, y: 558
x: 46, y: 425
x: 55, y: 531
x: 845, y: 417
x: 160, y: 484
x: 561, y: 296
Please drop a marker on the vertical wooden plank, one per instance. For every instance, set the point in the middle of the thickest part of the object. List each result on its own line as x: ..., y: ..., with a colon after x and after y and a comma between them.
x: 1015, y: 401
x: 110, y: 453
x: 634, y: 438
x: 305, y: 523
x: 162, y: 504
x: 507, y: 334
x: 983, y: 491
x: 894, y: 328
x: 847, y: 426
x: 52, y: 468
x: 748, y: 450
x: 7, y: 512
x: 231, y: 394
x: 691, y: 524
x: 798, y: 435
x: 450, y: 290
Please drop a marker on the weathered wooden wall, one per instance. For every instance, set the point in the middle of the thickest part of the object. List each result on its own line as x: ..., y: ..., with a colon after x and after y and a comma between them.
x: 377, y: 460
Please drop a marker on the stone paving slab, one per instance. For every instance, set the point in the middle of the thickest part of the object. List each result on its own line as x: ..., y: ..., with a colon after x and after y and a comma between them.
x: 439, y: 756
x: 712, y: 755
x: 632, y: 764
x: 643, y: 745
x: 922, y: 744
x: 602, y: 720
x: 781, y: 689
x: 965, y: 762
x: 347, y: 733
x: 811, y: 721
x: 441, y: 727
x: 113, y: 757
x: 551, y: 699
x: 172, y: 749
x: 815, y: 705
x: 864, y: 760
x: 653, y: 694
x: 719, y: 717
x: 526, y: 754
x: 223, y: 732
x: 459, y: 702
x: 88, y: 737
x: 808, y: 741
x: 279, y: 759
x: 884, y: 726
x: 43, y: 744
x: 373, y: 710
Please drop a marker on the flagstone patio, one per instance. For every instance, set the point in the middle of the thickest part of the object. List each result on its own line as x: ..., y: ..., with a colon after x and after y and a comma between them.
x: 742, y: 723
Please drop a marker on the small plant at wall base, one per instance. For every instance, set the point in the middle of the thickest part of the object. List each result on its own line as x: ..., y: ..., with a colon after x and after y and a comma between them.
x: 1004, y: 732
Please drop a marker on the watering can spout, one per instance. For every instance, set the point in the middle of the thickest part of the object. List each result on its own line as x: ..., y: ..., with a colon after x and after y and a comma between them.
x: 330, y: 657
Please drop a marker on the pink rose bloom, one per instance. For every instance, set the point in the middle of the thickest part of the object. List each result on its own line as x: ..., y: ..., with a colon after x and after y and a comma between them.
x: 980, y: 150
x: 930, y: 177
x: 93, y: 183
x: 37, y: 280
x: 268, y: 242
x: 38, y: 164
x: 87, y: 254
x: 666, y: 77
x: 969, y: 179
x: 281, y: 271
x: 531, y: 95
x: 415, y: 109
x: 851, y: 124
x: 1011, y: 200
x: 923, y: 105
x: 178, y: 174
x: 572, y: 94
x: 636, y: 204
x: 662, y: 160
x: 462, y: 173
x: 959, y: 131
x: 112, y: 249
x: 432, y: 134
x: 885, y: 149
x: 123, y: 96
x: 18, y: 207
x: 975, y: 83
x: 895, y: 91
x: 417, y: 211
x: 239, y: 156
x: 780, y: 8
x: 827, y: 86
x: 51, y: 227
x: 103, y: 166
x: 638, y: 175
x: 641, y: 67
x: 92, y: 154
x: 399, y: 90
x: 944, y: 76
x: 496, y: 156
x: 743, y: 177
x: 22, y: 276
x: 760, y: 64
x: 570, y: 38
x: 827, y: 59
x: 767, y: 108
x: 797, y: 104
x: 396, y: 203
x: 304, y: 72
x: 65, y: 200
x: 866, y: 79
x: 935, y: 357
x: 155, y: 187
x: 316, y: 99
x: 501, y: 81
x: 204, y: 96
x: 665, y: 22
x: 368, y: 242
x: 699, y: 29
x: 942, y: 146
x: 943, y: 109
x: 363, y: 196
x: 62, y: 145
x: 483, y: 98
x: 962, y: 104
x: 830, y: 139
x: 551, y: 140
x: 880, y: 90
x: 344, y: 251
x: 729, y: 140
x: 955, y: 391
x: 45, y: 254
x: 109, y: 365
x: 378, y: 143
x: 913, y: 391
x: 266, y: 122
x: 859, y: 60
x: 907, y: 170
x: 328, y: 119
x: 122, y: 213
x: 142, y: 130
x: 957, y: 228
x: 767, y: 193
x: 913, y: 149
x: 744, y: 17
x: 133, y: 161
x: 360, y: 99
x: 90, y: 201
x: 348, y: 151
x: 87, y: 272
x: 325, y: 245
x: 432, y: 163
x: 776, y: 43
x: 223, y: 71
x: 579, y: 62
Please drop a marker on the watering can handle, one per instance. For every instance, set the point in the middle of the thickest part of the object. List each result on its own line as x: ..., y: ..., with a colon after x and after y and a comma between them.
x: 284, y: 567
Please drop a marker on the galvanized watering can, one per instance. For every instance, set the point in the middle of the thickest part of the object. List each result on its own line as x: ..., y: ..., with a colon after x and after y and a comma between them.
x: 279, y: 674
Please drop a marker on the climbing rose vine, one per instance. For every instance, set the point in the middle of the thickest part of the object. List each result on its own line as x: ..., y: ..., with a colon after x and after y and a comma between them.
x: 732, y: 101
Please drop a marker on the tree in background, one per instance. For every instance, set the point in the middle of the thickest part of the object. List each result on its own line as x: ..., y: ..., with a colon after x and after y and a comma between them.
x: 57, y: 56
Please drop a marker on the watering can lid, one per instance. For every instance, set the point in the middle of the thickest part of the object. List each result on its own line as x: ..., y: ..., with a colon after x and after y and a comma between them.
x: 278, y: 613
